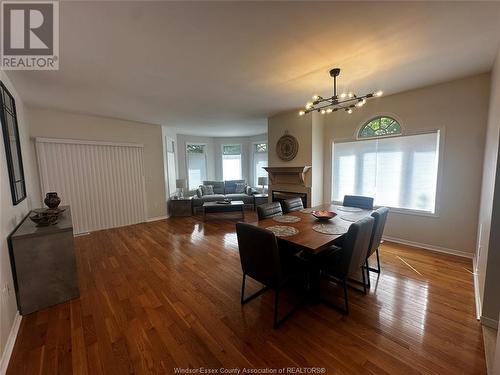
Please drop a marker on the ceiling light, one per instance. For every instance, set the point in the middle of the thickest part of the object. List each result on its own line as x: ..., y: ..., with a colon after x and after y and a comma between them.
x: 347, y: 101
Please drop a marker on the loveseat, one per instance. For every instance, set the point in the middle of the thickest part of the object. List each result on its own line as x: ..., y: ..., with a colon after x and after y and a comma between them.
x: 222, y: 190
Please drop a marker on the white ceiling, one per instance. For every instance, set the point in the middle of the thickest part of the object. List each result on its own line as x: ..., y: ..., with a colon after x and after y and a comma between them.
x: 222, y: 68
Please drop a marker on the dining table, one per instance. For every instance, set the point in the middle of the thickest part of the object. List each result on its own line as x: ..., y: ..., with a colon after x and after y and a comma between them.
x: 306, y: 234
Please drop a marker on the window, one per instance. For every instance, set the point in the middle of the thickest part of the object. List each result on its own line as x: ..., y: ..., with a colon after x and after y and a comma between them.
x: 399, y: 172
x: 259, y: 161
x: 171, y: 169
x: 197, y: 165
x: 231, y: 162
x: 379, y: 127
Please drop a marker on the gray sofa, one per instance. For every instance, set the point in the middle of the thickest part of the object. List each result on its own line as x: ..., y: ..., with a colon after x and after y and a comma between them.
x: 222, y: 190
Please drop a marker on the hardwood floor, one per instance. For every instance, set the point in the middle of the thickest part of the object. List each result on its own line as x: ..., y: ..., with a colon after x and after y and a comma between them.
x: 166, y: 294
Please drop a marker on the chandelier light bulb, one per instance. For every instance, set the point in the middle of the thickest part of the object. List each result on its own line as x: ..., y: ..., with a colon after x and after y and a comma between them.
x: 350, y: 95
x: 301, y: 113
x: 343, y: 95
x: 309, y: 105
x: 349, y: 110
x: 329, y: 110
x: 315, y: 97
x: 378, y: 93
x: 323, y: 111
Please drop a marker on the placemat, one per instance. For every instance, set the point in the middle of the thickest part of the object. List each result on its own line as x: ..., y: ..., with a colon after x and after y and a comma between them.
x: 330, y: 228
x: 349, y: 209
x: 307, y: 210
x: 286, y: 219
x: 349, y: 218
x: 283, y: 230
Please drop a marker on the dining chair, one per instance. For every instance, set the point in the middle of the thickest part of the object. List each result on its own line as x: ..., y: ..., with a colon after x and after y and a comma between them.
x: 292, y: 204
x: 366, y: 203
x: 267, y: 210
x: 261, y: 260
x: 380, y: 217
x: 341, y: 262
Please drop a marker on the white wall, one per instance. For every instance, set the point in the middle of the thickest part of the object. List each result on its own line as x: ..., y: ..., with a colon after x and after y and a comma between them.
x: 460, y: 109
x: 58, y: 124
x: 214, y: 154
x: 11, y: 216
x: 488, y: 242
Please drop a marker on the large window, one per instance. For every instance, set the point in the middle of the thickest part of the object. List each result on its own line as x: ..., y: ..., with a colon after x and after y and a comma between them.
x: 399, y: 172
x: 259, y: 161
x: 231, y: 162
x: 196, y: 164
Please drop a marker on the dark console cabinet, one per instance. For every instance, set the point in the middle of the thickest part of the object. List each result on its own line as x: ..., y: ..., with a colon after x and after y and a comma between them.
x: 43, y: 264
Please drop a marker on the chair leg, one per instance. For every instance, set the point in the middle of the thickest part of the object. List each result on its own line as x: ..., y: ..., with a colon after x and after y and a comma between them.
x: 346, y: 300
x: 367, y: 266
x: 277, y: 322
x: 256, y: 294
x: 364, y: 280
x: 376, y: 270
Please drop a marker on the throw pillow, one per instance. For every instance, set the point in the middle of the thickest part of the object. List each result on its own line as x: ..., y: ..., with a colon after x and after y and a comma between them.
x: 240, y: 188
x: 207, y: 189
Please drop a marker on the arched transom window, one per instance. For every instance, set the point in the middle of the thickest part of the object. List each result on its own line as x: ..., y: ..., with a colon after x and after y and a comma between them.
x: 379, y: 127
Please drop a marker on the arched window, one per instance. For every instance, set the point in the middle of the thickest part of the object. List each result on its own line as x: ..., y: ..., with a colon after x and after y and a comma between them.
x: 379, y: 127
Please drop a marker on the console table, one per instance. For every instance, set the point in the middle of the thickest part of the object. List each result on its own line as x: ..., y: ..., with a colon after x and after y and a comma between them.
x: 43, y: 263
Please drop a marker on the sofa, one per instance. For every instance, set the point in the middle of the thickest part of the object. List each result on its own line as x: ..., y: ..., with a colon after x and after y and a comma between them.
x: 223, y: 190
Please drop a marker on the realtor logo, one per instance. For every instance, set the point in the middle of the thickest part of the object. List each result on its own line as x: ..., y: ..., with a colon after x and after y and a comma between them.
x: 30, y: 35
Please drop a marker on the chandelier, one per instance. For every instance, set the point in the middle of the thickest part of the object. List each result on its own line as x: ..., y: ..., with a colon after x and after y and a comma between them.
x: 345, y: 101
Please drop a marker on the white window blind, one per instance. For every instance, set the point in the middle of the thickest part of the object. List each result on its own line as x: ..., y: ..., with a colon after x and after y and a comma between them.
x: 231, y: 162
x: 197, y: 165
x: 398, y: 172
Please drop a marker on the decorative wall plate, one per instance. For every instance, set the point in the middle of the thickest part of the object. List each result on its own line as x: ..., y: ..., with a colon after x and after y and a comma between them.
x: 287, y: 147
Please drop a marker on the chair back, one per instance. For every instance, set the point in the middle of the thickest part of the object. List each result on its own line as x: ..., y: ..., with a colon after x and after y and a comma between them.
x: 259, y: 254
x: 355, y: 246
x: 292, y: 204
x: 268, y: 210
x: 366, y: 203
x: 380, y: 216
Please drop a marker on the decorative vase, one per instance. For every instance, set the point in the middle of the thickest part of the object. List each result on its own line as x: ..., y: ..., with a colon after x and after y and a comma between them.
x: 52, y: 200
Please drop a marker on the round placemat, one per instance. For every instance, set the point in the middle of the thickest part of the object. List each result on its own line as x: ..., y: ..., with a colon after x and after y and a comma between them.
x: 329, y: 228
x: 283, y: 230
x: 349, y: 218
x: 286, y: 219
x: 349, y: 209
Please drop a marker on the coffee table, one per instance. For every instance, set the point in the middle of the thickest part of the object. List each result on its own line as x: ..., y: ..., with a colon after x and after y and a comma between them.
x: 214, y: 207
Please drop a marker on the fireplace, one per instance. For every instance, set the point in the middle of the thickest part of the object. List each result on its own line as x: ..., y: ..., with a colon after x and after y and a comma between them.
x: 280, y: 196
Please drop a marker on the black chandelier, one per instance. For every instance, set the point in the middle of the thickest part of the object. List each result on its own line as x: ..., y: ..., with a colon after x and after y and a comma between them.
x: 345, y: 101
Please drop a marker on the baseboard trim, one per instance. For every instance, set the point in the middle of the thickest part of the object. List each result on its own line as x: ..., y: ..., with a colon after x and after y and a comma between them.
x: 157, y: 218
x: 9, y: 344
x: 488, y: 322
x: 477, y: 294
x: 439, y: 249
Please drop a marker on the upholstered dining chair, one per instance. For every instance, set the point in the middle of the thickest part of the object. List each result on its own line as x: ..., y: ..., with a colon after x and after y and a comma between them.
x: 261, y: 260
x: 380, y: 217
x: 366, y: 203
x: 267, y: 210
x: 293, y: 204
x: 341, y: 262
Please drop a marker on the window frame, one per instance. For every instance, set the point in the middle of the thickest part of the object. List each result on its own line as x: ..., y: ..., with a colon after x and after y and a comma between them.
x: 406, y: 211
x: 222, y: 158
x: 255, y: 152
x: 187, y: 160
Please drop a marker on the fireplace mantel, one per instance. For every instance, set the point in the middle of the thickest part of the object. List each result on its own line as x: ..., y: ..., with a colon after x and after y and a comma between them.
x: 288, y: 175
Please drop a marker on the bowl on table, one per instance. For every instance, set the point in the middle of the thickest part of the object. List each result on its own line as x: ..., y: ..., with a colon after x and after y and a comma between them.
x: 323, y: 214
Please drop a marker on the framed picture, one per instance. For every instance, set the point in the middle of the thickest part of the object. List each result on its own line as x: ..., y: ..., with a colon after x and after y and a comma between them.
x: 8, y: 118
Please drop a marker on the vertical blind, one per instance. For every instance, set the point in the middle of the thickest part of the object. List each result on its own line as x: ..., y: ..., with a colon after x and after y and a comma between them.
x: 399, y: 172
x: 103, y: 183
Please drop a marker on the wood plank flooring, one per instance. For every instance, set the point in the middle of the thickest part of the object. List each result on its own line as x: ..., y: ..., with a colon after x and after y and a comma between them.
x: 165, y: 295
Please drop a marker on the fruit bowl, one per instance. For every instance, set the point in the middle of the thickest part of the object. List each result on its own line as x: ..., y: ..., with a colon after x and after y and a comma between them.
x: 323, y: 214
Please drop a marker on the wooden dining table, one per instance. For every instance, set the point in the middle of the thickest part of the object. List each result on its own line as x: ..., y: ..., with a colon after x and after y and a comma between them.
x: 309, y: 239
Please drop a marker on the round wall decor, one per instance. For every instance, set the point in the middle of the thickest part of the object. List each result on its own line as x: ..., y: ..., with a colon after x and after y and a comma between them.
x: 287, y: 147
